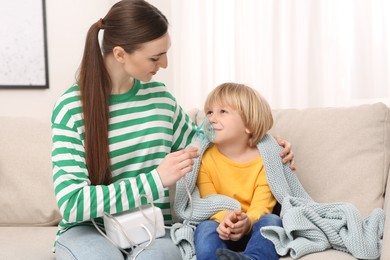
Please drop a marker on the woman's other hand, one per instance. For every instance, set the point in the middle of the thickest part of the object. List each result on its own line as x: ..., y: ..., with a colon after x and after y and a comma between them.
x: 287, y: 153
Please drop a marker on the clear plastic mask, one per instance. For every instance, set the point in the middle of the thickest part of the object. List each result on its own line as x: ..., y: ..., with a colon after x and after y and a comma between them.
x: 204, y: 134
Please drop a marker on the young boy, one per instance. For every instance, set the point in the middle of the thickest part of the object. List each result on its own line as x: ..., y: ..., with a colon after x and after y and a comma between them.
x: 233, y: 167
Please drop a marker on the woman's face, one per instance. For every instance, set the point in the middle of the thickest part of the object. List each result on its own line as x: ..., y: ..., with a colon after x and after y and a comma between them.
x: 145, y: 62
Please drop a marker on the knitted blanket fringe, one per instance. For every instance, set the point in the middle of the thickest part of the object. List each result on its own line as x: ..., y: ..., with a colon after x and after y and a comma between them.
x: 308, y: 226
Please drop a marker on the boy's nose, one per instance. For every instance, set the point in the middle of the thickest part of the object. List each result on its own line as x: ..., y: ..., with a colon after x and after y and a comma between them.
x: 212, y: 118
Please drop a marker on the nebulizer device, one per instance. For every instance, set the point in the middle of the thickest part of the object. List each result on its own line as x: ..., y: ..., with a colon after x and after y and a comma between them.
x: 129, y: 229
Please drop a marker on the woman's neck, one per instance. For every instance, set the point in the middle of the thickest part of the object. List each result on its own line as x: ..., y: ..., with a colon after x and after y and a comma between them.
x: 123, y: 86
x: 121, y: 82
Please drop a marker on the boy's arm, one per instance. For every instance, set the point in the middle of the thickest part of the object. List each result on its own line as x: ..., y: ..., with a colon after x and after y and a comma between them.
x: 263, y: 200
x: 206, y: 187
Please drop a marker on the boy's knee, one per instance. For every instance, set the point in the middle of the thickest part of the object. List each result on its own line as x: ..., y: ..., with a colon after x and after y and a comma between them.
x: 207, y: 224
x: 270, y: 220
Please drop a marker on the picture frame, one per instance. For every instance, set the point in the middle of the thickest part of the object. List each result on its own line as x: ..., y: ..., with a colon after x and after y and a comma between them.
x: 23, y: 45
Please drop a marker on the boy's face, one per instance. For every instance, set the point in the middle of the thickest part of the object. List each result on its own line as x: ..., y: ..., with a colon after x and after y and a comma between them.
x: 228, y: 125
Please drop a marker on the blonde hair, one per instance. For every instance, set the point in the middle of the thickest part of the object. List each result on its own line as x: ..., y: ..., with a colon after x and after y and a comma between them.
x: 253, y: 108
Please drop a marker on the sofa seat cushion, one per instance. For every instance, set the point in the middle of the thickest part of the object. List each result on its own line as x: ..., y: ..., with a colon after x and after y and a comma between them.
x: 27, y: 242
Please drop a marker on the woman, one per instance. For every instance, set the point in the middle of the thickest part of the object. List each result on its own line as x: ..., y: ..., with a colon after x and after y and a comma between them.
x: 116, y: 137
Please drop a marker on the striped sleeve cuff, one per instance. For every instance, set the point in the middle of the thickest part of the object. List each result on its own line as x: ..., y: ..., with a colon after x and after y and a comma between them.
x: 158, y: 182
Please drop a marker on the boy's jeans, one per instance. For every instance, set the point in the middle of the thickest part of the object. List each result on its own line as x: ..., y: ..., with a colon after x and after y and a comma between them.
x: 254, y: 245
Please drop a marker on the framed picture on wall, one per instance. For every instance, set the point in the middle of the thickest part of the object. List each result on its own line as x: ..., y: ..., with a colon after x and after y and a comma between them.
x: 23, y: 45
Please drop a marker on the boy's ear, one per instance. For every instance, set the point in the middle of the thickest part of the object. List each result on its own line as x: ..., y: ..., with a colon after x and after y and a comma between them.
x: 119, y: 54
x: 248, y: 131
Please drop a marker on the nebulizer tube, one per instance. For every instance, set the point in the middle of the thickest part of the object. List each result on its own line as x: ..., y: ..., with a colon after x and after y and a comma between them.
x: 204, y: 134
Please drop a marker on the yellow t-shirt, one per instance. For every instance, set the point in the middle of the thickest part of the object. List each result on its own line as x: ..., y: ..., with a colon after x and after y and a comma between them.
x: 244, y: 182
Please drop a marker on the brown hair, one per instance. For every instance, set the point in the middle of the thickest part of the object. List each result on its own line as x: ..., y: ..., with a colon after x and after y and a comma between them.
x: 252, y: 107
x: 128, y: 24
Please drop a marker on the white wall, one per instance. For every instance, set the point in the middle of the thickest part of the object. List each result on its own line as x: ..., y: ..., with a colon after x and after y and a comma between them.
x: 67, y: 25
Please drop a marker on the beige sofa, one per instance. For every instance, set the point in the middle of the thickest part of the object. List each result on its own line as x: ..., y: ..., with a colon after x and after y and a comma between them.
x: 342, y: 155
x: 29, y: 213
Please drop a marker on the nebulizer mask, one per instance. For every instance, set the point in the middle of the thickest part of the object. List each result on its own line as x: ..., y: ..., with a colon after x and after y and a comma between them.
x: 204, y: 134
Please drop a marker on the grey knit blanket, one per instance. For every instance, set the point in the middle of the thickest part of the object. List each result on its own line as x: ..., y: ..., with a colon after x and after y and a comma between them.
x: 308, y: 226
x: 195, y: 210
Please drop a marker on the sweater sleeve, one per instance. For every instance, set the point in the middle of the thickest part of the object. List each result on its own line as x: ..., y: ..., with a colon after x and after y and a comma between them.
x: 77, y: 199
x: 263, y: 200
x: 184, y: 129
x: 206, y: 187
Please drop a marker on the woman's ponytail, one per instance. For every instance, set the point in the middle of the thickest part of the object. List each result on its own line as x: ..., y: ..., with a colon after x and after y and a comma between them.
x: 95, y: 88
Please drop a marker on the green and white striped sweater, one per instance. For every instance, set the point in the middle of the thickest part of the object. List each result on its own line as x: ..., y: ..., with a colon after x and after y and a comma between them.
x: 145, y: 125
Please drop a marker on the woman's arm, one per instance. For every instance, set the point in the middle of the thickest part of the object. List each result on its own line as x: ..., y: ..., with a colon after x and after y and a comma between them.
x: 77, y: 199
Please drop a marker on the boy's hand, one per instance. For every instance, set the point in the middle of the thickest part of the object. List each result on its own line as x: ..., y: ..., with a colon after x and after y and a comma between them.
x: 242, y: 227
x: 226, y: 225
x: 234, y: 226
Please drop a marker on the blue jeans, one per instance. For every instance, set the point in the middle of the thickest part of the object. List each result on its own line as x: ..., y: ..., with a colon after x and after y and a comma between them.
x: 253, y: 245
x: 85, y: 242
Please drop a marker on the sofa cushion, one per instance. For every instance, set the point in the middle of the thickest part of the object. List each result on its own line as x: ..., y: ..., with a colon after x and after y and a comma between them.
x: 27, y: 243
x: 341, y: 154
x: 27, y: 194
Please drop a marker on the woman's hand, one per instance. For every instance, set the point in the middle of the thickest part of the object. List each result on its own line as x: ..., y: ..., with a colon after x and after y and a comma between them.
x: 175, y: 165
x: 286, y: 154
